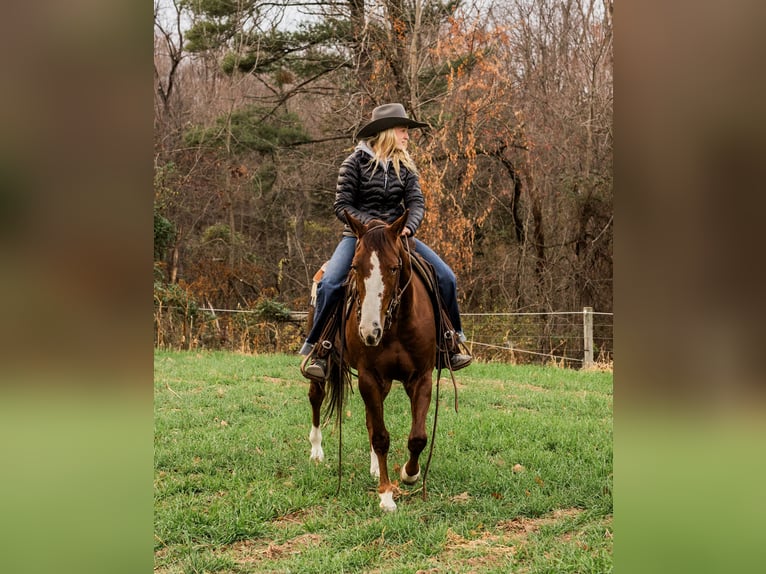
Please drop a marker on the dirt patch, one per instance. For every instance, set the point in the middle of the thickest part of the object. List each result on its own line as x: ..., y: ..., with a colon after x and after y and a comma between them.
x: 521, y: 527
x: 484, y: 551
x: 491, y: 543
x: 249, y: 551
x: 495, y: 545
x: 294, y: 518
x: 566, y: 513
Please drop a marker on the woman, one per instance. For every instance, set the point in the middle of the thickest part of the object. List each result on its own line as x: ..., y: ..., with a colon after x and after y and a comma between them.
x: 379, y: 180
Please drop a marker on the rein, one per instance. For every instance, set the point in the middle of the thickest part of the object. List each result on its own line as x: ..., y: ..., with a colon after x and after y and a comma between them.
x: 443, y: 352
x: 397, y: 298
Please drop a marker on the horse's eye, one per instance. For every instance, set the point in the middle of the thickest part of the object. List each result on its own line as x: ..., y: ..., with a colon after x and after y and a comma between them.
x: 395, y: 270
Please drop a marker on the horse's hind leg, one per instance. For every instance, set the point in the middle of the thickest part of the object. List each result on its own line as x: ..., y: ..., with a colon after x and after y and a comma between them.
x: 316, y: 396
x: 420, y: 400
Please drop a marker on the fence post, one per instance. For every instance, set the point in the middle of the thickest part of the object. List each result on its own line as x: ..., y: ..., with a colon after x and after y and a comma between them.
x: 587, y: 343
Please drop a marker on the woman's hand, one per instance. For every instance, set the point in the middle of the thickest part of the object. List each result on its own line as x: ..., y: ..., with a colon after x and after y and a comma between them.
x: 406, y: 232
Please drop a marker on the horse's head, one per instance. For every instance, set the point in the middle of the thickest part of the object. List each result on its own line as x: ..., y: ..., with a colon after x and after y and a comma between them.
x: 376, y: 270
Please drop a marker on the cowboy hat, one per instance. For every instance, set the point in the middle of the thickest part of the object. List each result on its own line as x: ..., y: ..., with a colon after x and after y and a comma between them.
x: 385, y: 117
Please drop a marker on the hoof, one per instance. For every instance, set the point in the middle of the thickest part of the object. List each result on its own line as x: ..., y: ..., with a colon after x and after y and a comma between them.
x: 387, y: 502
x: 317, y: 454
x: 406, y: 478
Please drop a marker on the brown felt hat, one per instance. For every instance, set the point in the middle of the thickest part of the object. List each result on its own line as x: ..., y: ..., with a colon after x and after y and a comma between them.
x: 385, y: 117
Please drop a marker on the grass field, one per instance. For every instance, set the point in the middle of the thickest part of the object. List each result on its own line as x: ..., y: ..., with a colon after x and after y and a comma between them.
x: 235, y: 491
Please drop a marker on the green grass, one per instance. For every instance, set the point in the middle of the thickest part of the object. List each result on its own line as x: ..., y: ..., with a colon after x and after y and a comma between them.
x: 235, y: 491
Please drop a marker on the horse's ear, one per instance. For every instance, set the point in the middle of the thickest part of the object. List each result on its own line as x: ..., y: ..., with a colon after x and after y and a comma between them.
x: 397, y: 226
x: 357, y: 226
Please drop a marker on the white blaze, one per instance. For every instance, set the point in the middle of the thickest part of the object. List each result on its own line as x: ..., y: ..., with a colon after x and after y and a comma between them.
x: 373, y: 298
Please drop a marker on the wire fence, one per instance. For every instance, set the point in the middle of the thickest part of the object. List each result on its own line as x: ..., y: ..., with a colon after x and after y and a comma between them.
x: 567, y: 338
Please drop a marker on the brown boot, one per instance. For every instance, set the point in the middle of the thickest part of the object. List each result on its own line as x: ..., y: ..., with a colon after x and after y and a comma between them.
x: 316, y: 368
x: 458, y: 361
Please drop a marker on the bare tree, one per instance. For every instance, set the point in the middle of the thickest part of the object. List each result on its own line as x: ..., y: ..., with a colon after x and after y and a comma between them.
x: 255, y: 111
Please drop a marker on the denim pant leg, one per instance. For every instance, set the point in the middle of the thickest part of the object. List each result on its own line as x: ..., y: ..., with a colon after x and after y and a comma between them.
x: 447, y: 283
x: 330, y: 288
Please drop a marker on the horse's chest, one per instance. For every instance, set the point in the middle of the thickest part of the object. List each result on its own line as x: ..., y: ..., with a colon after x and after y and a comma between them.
x: 389, y: 361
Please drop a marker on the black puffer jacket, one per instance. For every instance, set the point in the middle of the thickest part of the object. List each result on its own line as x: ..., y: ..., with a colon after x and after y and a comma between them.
x: 377, y: 195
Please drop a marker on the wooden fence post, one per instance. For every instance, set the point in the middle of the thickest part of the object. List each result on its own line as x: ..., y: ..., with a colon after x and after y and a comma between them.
x: 587, y: 343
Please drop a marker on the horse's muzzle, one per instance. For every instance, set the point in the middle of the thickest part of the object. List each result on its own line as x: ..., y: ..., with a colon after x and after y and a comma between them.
x: 371, y: 338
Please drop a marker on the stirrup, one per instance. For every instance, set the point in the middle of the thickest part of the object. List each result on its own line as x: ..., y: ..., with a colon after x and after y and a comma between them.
x: 316, y: 368
x: 457, y: 359
x: 314, y: 365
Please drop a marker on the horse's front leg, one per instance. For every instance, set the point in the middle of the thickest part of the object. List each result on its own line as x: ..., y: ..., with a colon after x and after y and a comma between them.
x: 316, y: 396
x: 420, y: 400
x: 373, y: 395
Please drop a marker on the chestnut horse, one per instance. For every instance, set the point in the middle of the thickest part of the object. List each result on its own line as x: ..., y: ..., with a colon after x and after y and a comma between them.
x: 389, y: 334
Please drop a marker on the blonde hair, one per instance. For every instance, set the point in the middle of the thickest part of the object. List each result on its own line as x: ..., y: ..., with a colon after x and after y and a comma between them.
x: 383, y: 144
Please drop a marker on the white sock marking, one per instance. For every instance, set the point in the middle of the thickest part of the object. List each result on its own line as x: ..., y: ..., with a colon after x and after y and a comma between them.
x: 387, y: 501
x: 406, y: 477
x: 315, y: 438
x: 374, y: 468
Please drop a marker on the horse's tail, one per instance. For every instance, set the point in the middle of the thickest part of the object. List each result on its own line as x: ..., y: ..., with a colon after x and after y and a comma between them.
x: 337, y: 387
x: 337, y: 384
x: 338, y: 380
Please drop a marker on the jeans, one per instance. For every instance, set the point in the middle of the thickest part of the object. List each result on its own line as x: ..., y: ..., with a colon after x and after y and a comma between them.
x: 330, y: 287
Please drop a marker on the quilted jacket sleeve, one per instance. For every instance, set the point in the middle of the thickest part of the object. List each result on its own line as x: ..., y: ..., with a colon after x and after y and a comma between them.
x: 349, y: 181
x: 414, y: 201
